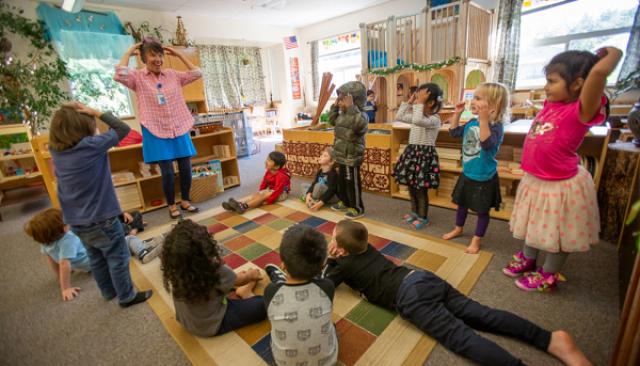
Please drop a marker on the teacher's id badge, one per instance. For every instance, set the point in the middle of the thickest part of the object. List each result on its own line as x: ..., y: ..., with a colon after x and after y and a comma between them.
x: 161, y: 99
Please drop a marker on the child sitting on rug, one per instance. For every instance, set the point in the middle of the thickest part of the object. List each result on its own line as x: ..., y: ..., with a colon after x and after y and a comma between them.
x: 478, y: 187
x: 300, y: 305
x: 199, y: 281
x: 322, y: 191
x: 87, y: 196
x: 144, y: 250
x: 434, y: 306
x: 275, y: 186
x: 63, y: 249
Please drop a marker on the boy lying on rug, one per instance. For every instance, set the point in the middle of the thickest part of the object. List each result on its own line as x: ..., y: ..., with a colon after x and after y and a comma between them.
x: 275, y: 186
x: 434, y: 306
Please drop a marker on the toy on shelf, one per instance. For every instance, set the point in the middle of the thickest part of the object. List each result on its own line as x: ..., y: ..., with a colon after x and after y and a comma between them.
x: 447, y: 43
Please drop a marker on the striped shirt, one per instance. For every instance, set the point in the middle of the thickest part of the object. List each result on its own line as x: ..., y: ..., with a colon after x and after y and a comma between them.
x: 166, y: 118
x: 424, y: 130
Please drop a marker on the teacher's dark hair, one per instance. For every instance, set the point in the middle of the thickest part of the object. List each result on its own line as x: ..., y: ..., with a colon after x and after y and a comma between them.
x: 150, y: 44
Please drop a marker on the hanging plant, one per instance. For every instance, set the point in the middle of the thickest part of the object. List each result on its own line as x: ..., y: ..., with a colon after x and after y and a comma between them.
x: 30, y: 86
x: 416, y: 67
x: 145, y: 30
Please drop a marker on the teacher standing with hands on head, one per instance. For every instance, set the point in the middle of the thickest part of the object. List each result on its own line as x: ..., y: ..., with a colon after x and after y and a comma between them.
x: 164, y: 116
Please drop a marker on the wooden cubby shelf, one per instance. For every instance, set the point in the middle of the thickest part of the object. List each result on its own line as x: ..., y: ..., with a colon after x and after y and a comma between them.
x: 594, y: 147
x: 138, y: 194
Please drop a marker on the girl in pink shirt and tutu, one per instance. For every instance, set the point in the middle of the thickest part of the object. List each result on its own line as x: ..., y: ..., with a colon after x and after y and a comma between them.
x: 556, y: 208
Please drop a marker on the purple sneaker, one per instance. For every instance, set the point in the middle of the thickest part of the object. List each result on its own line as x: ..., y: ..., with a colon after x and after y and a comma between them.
x: 539, y: 280
x: 519, y: 265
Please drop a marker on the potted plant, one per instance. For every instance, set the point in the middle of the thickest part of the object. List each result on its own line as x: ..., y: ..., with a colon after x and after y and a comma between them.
x: 30, y: 85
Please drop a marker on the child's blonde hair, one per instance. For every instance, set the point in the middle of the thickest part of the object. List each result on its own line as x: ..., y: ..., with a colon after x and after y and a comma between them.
x: 46, y: 227
x: 497, y: 96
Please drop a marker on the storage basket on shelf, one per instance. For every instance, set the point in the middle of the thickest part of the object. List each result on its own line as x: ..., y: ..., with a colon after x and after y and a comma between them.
x: 204, y: 185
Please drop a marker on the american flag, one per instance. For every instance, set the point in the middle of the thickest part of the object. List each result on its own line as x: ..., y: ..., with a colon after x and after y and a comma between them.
x: 290, y: 42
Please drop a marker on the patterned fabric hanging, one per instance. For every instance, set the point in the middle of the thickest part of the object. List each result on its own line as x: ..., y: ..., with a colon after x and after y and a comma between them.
x: 508, y: 42
x: 230, y: 82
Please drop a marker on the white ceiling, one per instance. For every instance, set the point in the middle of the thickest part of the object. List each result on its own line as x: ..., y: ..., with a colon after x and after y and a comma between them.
x: 287, y: 13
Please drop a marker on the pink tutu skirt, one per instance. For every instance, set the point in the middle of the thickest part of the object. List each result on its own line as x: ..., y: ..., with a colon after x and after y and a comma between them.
x: 557, y: 215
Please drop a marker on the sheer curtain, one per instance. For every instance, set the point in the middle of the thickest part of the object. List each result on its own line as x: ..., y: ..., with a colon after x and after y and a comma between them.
x: 314, y: 70
x: 631, y: 61
x: 233, y: 76
x: 508, y: 42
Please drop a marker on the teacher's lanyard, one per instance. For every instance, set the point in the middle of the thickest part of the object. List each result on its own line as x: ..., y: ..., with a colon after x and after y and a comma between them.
x: 160, y: 96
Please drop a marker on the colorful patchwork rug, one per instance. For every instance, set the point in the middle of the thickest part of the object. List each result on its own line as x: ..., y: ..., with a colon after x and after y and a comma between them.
x: 367, y: 334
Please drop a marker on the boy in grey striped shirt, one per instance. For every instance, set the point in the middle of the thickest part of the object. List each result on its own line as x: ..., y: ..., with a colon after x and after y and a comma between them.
x: 299, y: 305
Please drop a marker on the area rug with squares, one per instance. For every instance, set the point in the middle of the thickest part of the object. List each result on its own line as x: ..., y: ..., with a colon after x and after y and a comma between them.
x: 367, y: 334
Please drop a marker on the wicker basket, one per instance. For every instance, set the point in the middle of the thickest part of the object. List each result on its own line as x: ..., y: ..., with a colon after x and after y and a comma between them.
x: 203, y: 188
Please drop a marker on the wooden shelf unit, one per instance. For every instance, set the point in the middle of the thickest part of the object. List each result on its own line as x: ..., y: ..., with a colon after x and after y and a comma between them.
x: 594, y: 145
x: 149, y: 189
x: 25, y: 160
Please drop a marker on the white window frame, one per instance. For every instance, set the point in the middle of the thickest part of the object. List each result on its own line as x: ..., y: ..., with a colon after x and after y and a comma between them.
x: 566, y: 39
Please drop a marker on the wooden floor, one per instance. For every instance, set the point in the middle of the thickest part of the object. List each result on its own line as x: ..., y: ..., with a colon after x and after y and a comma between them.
x: 368, y: 335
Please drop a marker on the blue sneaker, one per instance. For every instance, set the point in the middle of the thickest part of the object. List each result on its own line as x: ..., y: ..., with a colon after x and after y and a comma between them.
x: 419, y: 223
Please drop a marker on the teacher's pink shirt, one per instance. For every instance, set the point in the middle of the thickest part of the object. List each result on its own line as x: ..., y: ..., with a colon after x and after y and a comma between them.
x: 171, y: 119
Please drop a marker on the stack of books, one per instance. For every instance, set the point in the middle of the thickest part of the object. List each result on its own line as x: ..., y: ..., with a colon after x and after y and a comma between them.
x: 221, y: 151
x: 447, y: 184
x: 517, y: 154
x: 450, y: 158
x: 506, y: 191
x: 147, y: 170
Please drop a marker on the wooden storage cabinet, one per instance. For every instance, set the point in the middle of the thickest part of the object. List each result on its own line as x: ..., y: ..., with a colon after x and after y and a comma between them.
x: 144, y: 193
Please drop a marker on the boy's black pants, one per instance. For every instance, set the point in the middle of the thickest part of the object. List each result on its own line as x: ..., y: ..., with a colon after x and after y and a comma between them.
x: 450, y: 317
x: 350, y: 187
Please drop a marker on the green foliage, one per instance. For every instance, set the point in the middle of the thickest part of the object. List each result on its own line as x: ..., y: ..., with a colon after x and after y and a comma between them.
x: 416, y: 67
x: 29, y: 88
x: 94, y: 86
x: 633, y: 214
x: 144, y: 29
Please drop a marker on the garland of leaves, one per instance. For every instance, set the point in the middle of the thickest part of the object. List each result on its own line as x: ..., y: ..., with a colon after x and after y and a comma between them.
x: 416, y: 67
x: 29, y: 89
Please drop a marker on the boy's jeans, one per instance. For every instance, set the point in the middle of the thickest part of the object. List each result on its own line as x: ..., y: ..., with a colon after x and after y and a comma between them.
x: 109, y: 256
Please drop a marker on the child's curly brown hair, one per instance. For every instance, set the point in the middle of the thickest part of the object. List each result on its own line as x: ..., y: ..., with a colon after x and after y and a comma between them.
x: 190, y: 262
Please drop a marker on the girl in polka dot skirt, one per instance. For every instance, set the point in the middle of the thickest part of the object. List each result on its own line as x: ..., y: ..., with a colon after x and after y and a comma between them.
x: 556, y: 208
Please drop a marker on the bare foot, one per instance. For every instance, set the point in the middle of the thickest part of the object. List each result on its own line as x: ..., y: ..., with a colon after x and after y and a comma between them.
x: 456, y: 232
x: 246, y: 291
x: 565, y: 349
x: 474, y: 247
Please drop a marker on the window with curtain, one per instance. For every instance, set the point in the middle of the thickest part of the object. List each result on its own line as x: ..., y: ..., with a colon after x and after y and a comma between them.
x: 233, y: 76
x: 91, y: 44
x: 546, y: 30
x: 339, y: 55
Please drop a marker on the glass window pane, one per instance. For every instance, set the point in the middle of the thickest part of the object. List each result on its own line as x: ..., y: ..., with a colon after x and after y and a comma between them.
x: 532, y: 62
x: 591, y: 44
x: 586, y: 16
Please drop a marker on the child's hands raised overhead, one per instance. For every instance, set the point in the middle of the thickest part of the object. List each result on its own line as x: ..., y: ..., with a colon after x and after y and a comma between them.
x: 484, y: 110
x: 347, y: 101
x: 422, y: 96
x: 83, y: 109
x: 459, y: 107
x: 412, y: 98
